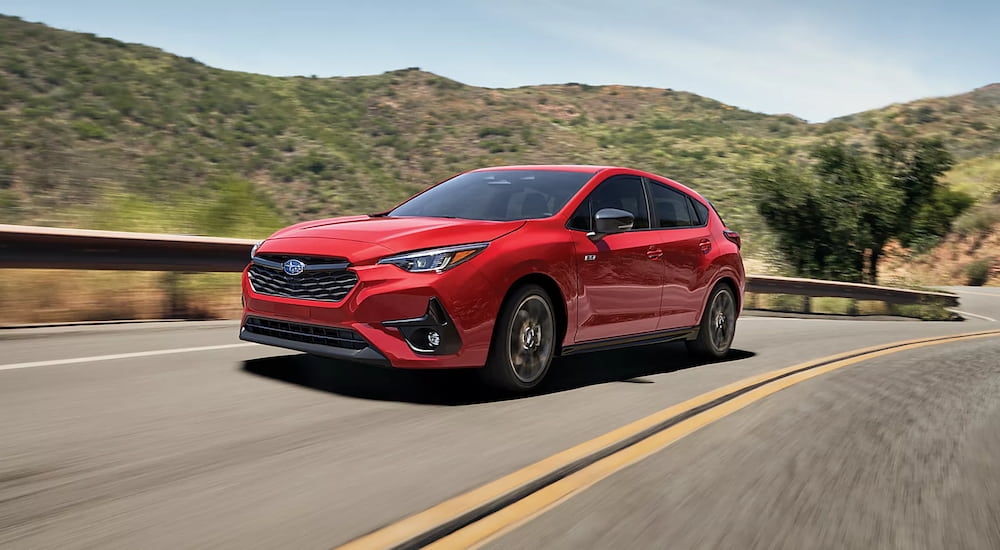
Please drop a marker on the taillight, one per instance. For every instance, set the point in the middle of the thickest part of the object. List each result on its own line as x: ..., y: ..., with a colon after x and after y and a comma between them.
x: 734, y: 237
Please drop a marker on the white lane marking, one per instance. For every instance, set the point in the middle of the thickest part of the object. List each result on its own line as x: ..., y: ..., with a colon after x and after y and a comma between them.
x: 95, y: 358
x: 990, y: 294
x: 983, y: 317
x: 791, y: 317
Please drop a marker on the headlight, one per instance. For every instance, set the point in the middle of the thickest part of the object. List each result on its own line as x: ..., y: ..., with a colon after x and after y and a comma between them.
x: 253, y: 251
x: 435, y: 259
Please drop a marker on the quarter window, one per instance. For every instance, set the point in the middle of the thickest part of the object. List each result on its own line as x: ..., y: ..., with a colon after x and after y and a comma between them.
x: 701, y: 211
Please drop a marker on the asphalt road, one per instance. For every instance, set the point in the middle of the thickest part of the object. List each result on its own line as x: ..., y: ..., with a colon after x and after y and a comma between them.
x: 233, y: 445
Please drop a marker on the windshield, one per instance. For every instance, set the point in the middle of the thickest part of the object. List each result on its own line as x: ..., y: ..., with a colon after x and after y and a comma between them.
x: 497, y: 195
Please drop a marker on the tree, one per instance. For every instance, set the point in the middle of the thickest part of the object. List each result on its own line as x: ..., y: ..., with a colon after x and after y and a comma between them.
x: 789, y: 200
x: 915, y: 168
x: 835, y: 215
x: 869, y: 206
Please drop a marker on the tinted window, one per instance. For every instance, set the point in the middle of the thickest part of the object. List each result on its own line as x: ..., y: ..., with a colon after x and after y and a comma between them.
x: 671, y: 207
x: 582, y: 217
x: 701, y: 211
x: 497, y: 195
x: 621, y: 192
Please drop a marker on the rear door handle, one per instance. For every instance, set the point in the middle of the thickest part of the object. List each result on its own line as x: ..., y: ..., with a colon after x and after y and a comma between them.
x: 705, y: 245
x: 654, y: 253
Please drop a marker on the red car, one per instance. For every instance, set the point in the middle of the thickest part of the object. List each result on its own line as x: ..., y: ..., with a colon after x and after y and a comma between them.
x: 503, y: 269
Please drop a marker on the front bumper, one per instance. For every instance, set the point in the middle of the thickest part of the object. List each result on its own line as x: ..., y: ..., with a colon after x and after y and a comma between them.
x: 386, y: 319
x: 314, y: 339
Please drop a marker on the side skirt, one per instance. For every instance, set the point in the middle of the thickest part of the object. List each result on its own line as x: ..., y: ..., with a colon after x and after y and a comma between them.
x: 648, y: 338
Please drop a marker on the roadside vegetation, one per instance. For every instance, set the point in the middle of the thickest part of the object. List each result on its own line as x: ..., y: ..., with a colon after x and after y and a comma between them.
x: 784, y: 303
x: 835, y: 212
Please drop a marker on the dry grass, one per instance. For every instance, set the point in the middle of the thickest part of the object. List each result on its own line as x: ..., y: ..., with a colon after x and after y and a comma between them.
x: 842, y: 306
x: 31, y: 296
x: 947, y: 263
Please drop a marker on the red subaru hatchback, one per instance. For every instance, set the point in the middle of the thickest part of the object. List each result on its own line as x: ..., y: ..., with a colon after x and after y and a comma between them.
x: 503, y: 269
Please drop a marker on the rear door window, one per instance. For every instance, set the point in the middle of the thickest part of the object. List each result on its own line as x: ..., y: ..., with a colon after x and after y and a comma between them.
x: 671, y: 208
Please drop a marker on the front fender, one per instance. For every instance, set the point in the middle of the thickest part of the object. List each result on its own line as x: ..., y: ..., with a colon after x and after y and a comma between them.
x: 524, y: 255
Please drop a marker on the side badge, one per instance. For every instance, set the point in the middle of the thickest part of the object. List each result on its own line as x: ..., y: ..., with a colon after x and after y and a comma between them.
x: 590, y: 257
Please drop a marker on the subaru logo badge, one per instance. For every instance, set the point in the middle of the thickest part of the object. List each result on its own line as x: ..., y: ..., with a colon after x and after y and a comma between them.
x: 293, y: 267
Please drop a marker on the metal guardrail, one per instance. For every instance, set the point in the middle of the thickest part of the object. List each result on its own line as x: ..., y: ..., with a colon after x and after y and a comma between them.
x: 53, y: 248
x: 24, y: 246
x: 815, y: 288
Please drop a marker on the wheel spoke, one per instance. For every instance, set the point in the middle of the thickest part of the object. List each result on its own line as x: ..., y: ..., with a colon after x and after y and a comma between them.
x: 722, y: 317
x: 530, y: 340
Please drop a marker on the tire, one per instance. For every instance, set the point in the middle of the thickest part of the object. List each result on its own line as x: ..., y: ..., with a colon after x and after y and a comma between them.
x: 524, y: 341
x: 718, y: 325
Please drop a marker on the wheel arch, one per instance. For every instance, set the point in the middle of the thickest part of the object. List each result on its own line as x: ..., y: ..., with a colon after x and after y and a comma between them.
x: 723, y: 279
x: 731, y: 283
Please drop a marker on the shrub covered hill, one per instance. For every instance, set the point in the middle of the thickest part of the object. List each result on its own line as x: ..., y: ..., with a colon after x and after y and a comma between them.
x: 102, y: 134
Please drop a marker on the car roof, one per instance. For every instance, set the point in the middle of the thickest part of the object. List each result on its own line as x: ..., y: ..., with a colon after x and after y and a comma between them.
x: 561, y: 167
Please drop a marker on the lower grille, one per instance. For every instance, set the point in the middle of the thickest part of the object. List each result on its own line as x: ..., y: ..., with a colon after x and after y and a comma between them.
x: 311, y: 334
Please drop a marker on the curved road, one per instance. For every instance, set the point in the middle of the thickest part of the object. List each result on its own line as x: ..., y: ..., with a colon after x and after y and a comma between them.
x: 165, y: 435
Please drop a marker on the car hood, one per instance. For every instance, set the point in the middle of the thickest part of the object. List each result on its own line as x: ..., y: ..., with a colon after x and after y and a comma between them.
x: 364, y: 238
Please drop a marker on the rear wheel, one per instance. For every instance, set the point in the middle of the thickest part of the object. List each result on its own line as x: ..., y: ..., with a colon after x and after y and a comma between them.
x: 718, y: 325
x: 524, y: 340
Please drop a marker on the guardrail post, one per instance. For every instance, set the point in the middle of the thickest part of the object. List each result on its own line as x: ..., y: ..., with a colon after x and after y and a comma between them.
x: 171, y: 284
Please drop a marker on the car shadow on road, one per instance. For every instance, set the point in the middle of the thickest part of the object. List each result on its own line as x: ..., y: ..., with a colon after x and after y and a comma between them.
x: 463, y: 387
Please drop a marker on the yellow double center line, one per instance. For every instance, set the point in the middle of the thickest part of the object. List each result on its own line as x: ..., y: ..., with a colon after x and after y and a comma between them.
x: 472, y: 518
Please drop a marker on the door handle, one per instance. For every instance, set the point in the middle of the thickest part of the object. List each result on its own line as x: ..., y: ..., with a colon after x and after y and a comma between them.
x: 654, y: 253
x: 705, y: 245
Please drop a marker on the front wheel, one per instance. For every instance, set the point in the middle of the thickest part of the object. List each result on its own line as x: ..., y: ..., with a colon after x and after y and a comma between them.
x: 524, y: 340
x: 718, y: 325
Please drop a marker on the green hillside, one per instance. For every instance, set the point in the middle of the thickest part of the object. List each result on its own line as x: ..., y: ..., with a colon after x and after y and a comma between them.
x: 98, y: 133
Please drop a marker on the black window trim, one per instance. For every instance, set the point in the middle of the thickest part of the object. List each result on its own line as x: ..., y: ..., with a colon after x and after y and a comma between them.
x: 652, y: 212
x: 716, y: 210
x: 691, y: 212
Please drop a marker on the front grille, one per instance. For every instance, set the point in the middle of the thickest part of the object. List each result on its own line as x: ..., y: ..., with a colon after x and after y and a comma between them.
x: 311, y: 334
x: 321, y: 285
x: 308, y: 260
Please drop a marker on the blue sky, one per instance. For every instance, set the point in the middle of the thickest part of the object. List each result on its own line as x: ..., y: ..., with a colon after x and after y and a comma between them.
x: 813, y: 59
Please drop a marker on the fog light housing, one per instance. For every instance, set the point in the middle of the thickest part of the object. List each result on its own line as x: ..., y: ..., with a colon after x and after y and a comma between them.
x: 433, y: 339
x: 433, y: 333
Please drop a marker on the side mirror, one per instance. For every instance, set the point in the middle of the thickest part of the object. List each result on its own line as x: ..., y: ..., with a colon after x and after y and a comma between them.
x: 608, y: 221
